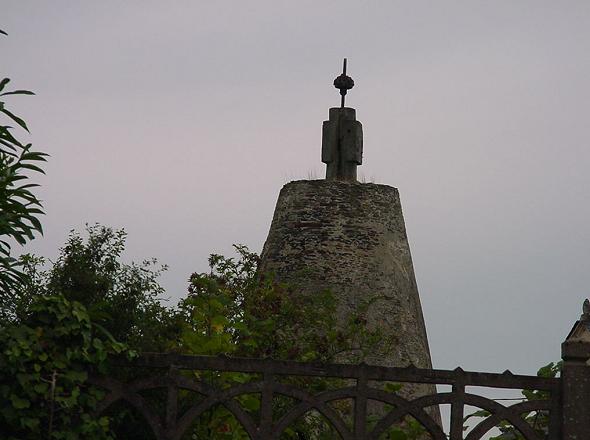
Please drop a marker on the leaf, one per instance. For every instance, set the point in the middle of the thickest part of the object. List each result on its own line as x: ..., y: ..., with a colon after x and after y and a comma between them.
x: 8, y: 144
x: 397, y: 434
x: 77, y: 376
x: 4, y: 82
x: 16, y: 119
x: 251, y: 403
x: 35, y: 211
x: 480, y: 413
x: 80, y: 314
x: 18, y: 92
x: 31, y: 167
x: 34, y: 155
x: 41, y: 388
x: 19, y: 403
x: 37, y: 224
x: 217, y: 328
x: 392, y: 387
x: 97, y: 343
x: 28, y: 185
x: 2, y: 32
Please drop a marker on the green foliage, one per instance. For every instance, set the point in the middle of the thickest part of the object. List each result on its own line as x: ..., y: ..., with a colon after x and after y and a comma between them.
x: 231, y: 310
x: 45, y: 361
x: 19, y: 206
x: 410, y: 430
x: 64, y: 323
x: 57, y: 325
x: 236, y: 311
x: 123, y: 298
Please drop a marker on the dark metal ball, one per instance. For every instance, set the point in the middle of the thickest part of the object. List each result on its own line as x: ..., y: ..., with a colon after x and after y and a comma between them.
x: 343, y: 82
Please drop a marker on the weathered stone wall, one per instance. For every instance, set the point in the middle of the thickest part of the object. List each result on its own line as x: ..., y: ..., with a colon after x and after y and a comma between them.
x: 351, y: 238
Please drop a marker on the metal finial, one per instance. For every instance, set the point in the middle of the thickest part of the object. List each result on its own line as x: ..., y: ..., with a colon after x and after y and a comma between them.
x: 344, y: 83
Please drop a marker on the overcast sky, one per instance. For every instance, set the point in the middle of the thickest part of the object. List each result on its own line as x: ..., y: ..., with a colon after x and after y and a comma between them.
x: 180, y: 121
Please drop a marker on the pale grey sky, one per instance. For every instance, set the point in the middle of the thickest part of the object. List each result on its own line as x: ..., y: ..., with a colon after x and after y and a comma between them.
x: 181, y: 120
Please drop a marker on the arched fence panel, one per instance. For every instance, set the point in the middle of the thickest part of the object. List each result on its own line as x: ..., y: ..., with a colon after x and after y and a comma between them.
x: 268, y: 398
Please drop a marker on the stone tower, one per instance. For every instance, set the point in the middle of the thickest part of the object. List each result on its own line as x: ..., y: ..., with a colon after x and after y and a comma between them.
x: 350, y: 237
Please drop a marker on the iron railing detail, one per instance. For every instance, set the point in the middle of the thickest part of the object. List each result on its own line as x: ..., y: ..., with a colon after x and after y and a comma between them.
x: 169, y: 373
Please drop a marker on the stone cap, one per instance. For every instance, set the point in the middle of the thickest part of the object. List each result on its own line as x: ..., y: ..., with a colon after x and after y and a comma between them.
x: 342, y: 112
x: 577, y: 342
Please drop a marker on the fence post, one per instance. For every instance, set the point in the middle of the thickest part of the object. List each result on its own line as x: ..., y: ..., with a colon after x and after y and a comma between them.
x: 575, y: 352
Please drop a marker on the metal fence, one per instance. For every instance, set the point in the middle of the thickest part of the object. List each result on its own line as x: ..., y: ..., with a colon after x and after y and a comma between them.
x: 173, y: 374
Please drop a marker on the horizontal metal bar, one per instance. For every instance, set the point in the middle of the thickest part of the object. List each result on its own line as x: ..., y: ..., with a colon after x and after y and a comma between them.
x: 372, y: 372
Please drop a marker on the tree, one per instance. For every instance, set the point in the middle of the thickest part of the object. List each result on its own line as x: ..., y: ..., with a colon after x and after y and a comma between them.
x: 237, y: 311
x: 231, y: 310
x: 69, y: 320
x: 19, y: 206
x: 126, y: 299
x: 45, y: 361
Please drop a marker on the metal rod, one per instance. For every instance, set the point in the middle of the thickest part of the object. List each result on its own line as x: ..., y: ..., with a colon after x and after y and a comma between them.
x: 343, y: 94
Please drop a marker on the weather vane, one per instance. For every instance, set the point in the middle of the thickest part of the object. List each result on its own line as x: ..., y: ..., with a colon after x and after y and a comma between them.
x: 344, y: 83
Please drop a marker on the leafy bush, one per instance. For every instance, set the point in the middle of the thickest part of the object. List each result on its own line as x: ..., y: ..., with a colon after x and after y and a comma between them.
x: 45, y: 361
x: 89, y: 305
x: 66, y: 321
x: 123, y: 298
x: 236, y: 311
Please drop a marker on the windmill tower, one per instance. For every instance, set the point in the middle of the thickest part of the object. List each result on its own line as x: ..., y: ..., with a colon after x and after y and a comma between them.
x: 350, y: 237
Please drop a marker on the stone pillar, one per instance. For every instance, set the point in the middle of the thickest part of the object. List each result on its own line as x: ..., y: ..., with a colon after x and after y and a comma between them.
x: 342, y: 144
x: 575, y: 352
x: 351, y: 238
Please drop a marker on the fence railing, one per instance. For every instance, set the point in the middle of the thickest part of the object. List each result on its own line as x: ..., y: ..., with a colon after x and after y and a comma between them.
x: 172, y: 392
x: 370, y: 410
